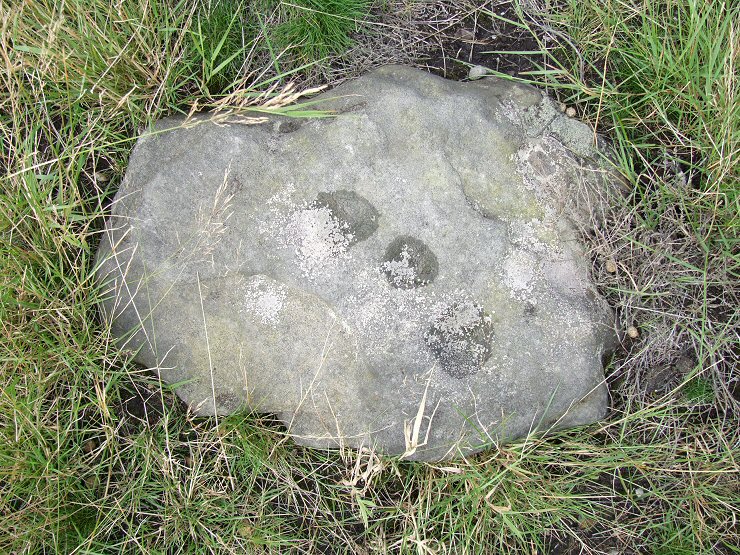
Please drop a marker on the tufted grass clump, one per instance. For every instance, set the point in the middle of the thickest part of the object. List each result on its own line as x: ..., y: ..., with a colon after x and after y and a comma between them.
x: 223, y: 34
x: 317, y: 29
x: 233, y: 41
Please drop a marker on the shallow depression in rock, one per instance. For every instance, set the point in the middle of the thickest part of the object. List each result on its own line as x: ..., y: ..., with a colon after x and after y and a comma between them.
x: 409, y: 263
x: 460, y: 339
x: 357, y: 217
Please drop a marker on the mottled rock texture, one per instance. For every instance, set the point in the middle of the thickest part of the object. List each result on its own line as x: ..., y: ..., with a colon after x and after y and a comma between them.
x: 406, y: 275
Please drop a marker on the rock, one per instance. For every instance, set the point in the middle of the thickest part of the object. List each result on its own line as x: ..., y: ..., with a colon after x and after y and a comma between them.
x: 477, y: 72
x: 405, y: 275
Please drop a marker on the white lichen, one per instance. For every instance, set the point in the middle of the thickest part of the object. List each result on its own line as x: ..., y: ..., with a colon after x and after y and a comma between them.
x: 265, y: 299
x: 400, y: 270
x: 318, y: 237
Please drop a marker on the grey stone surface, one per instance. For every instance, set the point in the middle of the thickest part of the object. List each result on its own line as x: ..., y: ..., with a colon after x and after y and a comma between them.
x: 406, y: 275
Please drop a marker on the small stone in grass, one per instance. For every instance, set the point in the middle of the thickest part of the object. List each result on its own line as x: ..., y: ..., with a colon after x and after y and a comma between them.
x: 633, y: 332
x: 465, y: 34
x: 611, y: 266
x: 476, y: 72
x: 570, y: 112
x: 562, y: 107
x: 89, y: 446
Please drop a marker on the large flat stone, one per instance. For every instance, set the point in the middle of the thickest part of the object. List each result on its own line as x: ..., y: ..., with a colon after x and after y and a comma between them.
x: 406, y: 275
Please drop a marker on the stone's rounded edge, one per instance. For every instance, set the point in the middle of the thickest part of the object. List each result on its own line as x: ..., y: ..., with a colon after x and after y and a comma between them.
x: 497, y: 88
x: 223, y: 403
x: 511, y: 95
x: 536, y: 119
x: 589, y: 156
x: 162, y: 134
x: 605, y: 321
x: 403, y: 75
x: 576, y: 136
x: 582, y: 144
x: 572, y: 175
x: 392, y: 442
x: 591, y: 408
x: 117, y: 275
x: 303, y: 436
x: 104, y: 264
x: 350, y: 96
x: 603, y: 341
x: 173, y: 122
x: 285, y: 126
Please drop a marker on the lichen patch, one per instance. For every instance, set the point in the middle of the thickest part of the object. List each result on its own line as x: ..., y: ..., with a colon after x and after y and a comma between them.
x: 317, y: 237
x: 265, y: 299
x: 520, y: 273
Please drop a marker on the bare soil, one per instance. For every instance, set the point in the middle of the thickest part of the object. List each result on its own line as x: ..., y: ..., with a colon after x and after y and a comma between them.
x: 480, y: 39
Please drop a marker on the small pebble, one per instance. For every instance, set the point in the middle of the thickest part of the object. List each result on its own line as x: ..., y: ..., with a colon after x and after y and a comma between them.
x: 570, y: 112
x: 561, y: 106
x: 476, y: 72
x: 89, y: 446
x: 246, y: 530
x: 465, y: 34
x: 632, y: 332
x: 639, y: 492
x: 611, y: 266
x: 102, y: 177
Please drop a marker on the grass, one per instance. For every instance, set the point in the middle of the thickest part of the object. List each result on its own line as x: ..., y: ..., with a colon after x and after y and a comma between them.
x: 316, y: 29
x: 85, y: 469
x: 232, y: 39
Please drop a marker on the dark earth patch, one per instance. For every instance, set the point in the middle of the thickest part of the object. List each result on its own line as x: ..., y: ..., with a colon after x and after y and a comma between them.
x: 140, y: 407
x: 483, y: 40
